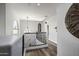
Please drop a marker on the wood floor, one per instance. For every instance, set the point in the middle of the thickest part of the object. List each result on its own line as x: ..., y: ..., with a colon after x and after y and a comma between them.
x: 50, y: 51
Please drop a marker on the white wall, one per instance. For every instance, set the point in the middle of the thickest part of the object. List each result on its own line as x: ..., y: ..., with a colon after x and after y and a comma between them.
x: 68, y: 45
x: 32, y: 25
x: 21, y: 11
x: 10, y: 18
x: 2, y: 19
x: 52, y: 22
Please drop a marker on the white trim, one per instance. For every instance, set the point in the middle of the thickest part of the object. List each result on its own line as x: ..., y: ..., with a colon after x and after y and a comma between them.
x: 53, y: 43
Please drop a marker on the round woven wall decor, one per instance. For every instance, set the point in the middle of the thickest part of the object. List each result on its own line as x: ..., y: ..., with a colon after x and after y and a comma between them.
x: 72, y: 20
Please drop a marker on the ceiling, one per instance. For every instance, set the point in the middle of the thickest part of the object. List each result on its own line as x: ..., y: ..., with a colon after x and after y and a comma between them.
x: 34, y: 11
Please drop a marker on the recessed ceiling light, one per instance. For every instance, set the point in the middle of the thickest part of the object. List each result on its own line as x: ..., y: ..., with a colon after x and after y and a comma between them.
x: 38, y: 4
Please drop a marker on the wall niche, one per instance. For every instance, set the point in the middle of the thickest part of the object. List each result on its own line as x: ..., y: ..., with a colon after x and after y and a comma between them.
x: 72, y: 20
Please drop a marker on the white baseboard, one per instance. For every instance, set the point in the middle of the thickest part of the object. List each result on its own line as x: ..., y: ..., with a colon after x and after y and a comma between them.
x: 55, y: 44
